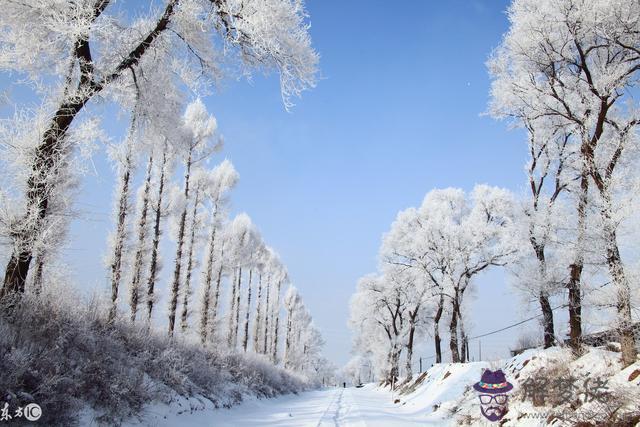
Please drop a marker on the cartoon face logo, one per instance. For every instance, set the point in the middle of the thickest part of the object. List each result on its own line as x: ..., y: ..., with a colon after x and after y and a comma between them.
x: 492, y: 392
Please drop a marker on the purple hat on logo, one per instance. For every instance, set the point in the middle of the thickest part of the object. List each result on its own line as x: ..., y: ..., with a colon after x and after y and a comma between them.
x: 493, y: 382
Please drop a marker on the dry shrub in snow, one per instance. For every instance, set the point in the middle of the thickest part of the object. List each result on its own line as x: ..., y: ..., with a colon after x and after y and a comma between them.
x: 58, y: 350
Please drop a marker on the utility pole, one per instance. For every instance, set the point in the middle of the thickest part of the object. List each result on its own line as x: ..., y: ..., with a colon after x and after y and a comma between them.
x: 479, y: 350
x: 421, y: 365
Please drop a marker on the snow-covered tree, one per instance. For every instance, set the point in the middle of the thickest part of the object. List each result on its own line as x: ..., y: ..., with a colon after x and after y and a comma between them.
x: 243, y: 240
x: 124, y: 157
x: 295, y: 313
x: 74, y: 52
x: 470, y: 235
x: 200, y: 128
x: 424, y: 298
x: 550, y: 238
x: 19, y: 136
x: 220, y: 267
x: 254, y: 262
x: 201, y: 180
x: 273, y: 306
x: 575, y: 62
x: 323, y: 372
x: 427, y: 262
x: 163, y: 171
x: 144, y: 199
x: 265, y: 265
x: 303, y: 341
x: 450, y: 239
x: 378, y: 314
x: 402, y: 247
x: 222, y: 179
x: 359, y: 369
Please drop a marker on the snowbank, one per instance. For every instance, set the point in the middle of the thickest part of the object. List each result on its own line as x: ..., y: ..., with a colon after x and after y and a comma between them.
x: 551, y: 387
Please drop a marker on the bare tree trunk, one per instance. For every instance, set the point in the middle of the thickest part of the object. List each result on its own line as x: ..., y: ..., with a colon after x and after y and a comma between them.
x: 453, y: 329
x: 153, y: 266
x: 121, y: 227
x: 394, y: 365
x: 142, y: 237
x: 287, y: 341
x: 462, y: 332
x: 623, y: 291
x: 543, y: 298
x: 274, y: 350
x: 175, y: 287
x: 187, y: 280
x: 216, y: 295
x: 236, y: 332
x: 575, y: 269
x: 258, y: 322
x: 245, y: 340
x: 232, y: 306
x: 16, y: 273
x: 274, y: 345
x: 409, y: 366
x: 463, y: 340
x: 276, y: 324
x: 614, y: 261
x: 37, y: 274
x: 267, y: 316
x: 208, y: 278
x: 436, y: 329
x: 547, y: 320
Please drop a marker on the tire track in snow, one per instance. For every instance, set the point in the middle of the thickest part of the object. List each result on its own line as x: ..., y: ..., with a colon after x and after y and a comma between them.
x: 331, y: 416
x: 342, y: 411
x: 336, y: 416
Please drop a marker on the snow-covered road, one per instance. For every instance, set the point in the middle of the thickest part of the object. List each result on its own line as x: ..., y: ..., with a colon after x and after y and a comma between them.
x: 334, y: 407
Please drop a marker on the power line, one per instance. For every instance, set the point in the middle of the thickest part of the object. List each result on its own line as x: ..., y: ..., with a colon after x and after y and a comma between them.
x: 515, y: 324
x: 496, y: 331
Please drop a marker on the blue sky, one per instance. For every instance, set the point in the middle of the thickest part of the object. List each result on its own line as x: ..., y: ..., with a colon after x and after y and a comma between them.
x: 397, y: 112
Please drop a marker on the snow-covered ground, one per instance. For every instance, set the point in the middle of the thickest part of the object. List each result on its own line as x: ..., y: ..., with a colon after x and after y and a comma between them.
x: 356, y: 407
x: 442, y: 396
x: 445, y: 394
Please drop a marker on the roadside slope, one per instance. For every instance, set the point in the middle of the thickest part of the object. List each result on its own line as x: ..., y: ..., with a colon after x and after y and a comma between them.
x: 61, y: 354
x: 550, y: 387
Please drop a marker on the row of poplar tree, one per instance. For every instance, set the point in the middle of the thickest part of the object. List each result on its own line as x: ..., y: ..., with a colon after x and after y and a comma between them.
x: 86, y: 58
x: 239, y: 278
